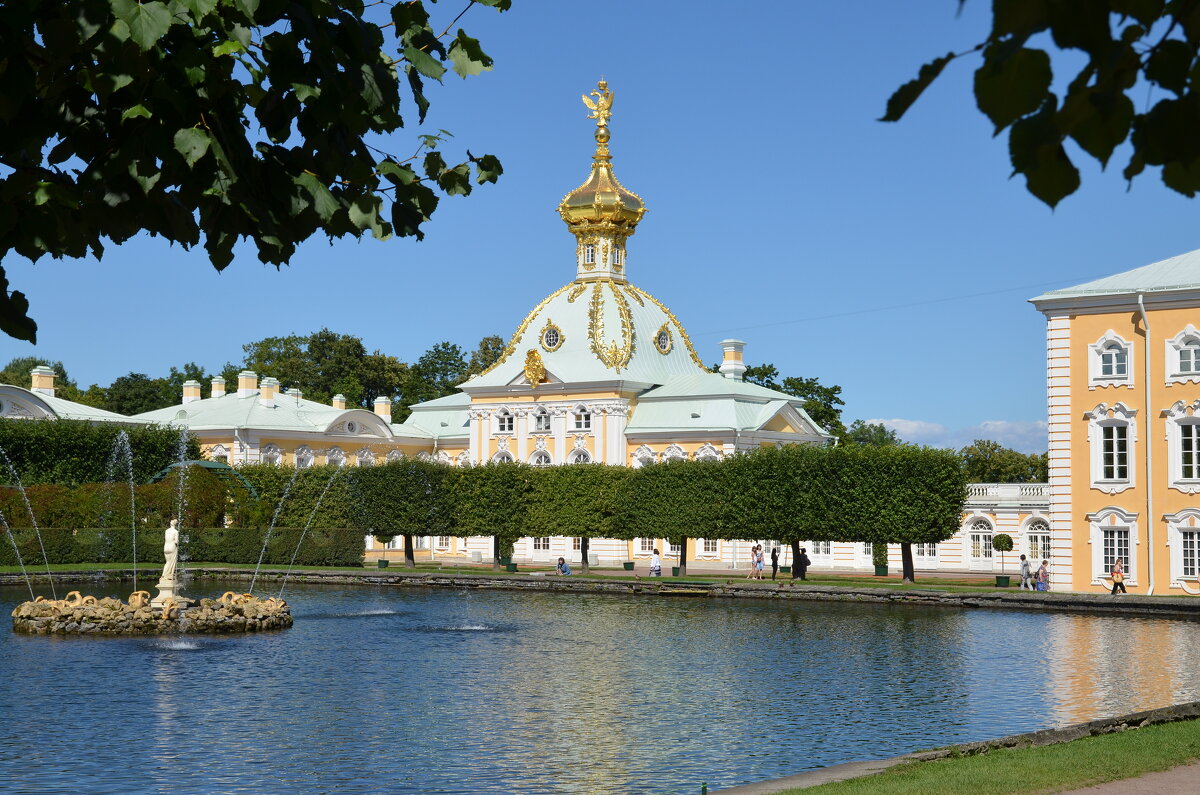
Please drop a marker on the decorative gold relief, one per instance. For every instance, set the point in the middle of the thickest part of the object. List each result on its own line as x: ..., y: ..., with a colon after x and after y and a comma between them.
x: 633, y: 293
x: 675, y: 322
x: 535, y: 368
x: 576, y: 291
x: 552, y: 337
x: 610, y: 354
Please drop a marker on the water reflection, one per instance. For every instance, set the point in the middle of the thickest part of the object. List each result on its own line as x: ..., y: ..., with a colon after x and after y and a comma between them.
x: 403, y: 690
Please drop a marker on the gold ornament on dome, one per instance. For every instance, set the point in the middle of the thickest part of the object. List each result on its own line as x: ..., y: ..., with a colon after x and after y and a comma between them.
x: 663, y: 341
x: 511, y: 347
x: 552, y: 336
x: 535, y: 368
x: 611, y: 354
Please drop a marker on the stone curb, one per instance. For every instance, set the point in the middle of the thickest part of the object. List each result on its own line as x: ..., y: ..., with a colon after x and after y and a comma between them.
x: 1136, y: 720
x: 1164, y: 606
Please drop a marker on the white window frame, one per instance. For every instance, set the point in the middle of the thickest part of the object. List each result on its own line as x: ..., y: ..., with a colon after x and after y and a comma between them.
x: 502, y: 457
x: 444, y: 542
x: 674, y: 453
x: 1188, y: 339
x: 643, y: 456
x: 645, y: 546
x: 1037, y: 527
x: 709, y: 546
x: 978, y: 526
x: 820, y: 549
x: 395, y: 455
x: 1113, y: 518
x: 219, y: 453
x: 1180, y: 416
x: 541, y: 458
x: 304, y: 457
x: 583, y: 418
x: 335, y: 457
x: 1104, y: 416
x: 707, y: 452
x: 505, y: 421
x: 925, y: 552
x: 364, y: 458
x: 579, y: 456
x: 1185, y: 521
x: 1098, y: 350
x: 541, y: 421
x: 589, y: 253
x: 272, y: 454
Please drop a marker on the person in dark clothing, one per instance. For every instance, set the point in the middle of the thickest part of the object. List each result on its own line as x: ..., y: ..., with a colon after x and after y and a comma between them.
x: 800, y: 569
x: 774, y: 561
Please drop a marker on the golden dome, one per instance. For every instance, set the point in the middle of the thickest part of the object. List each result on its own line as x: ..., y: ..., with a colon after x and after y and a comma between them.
x: 601, y: 201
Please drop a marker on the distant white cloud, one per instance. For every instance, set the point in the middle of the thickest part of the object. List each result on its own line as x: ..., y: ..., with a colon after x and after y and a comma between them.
x: 1028, y: 437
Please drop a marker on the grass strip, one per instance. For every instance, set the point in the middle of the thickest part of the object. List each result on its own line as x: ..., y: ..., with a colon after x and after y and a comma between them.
x: 1051, y: 768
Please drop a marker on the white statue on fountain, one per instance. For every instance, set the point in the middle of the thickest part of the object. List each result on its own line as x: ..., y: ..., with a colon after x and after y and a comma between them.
x: 167, y: 587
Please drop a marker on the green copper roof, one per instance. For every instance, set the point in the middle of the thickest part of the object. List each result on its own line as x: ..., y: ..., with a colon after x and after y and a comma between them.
x: 441, y: 418
x: 31, y: 404
x: 1177, y: 273
x: 709, y: 401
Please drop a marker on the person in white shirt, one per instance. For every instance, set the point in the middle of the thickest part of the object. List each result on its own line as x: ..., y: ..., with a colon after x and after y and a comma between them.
x: 1026, y: 574
x: 655, y: 565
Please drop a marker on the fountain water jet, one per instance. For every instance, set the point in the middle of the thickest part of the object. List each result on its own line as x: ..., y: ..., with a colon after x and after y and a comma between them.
x: 12, y: 471
x: 122, y: 454
x: 181, y: 502
x: 271, y: 527
x: 304, y: 532
x: 17, y: 550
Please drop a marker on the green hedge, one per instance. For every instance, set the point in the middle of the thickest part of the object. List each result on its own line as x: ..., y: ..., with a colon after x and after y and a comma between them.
x: 72, y: 452
x: 321, y: 547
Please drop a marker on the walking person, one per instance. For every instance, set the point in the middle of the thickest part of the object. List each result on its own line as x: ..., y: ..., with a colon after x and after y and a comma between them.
x: 1118, y: 577
x: 655, y: 565
x: 758, y: 562
x: 1043, y: 576
x: 1026, y: 574
x: 774, y: 561
x: 802, y: 563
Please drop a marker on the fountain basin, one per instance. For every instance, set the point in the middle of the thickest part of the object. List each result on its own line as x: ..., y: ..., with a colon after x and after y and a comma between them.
x: 86, y: 615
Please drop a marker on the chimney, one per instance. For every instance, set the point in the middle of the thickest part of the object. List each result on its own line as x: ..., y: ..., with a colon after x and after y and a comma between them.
x: 339, y: 401
x: 296, y: 393
x: 191, y: 391
x: 218, y: 387
x: 733, y: 366
x: 247, y: 383
x: 383, y: 407
x: 267, y: 389
x: 43, y: 380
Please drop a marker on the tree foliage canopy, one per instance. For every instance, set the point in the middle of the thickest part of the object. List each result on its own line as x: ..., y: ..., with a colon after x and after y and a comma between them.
x: 986, y: 461
x: 1132, y: 52
x: 210, y: 121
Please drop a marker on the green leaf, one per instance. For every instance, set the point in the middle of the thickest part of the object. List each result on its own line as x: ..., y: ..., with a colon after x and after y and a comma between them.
x: 424, y: 63
x: 908, y: 93
x: 1035, y: 147
x: 322, y: 200
x: 147, y: 22
x: 1010, y: 85
x: 227, y: 48
x: 1169, y: 65
x: 467, y: 57
x: 1097, y: 122
x: 396, y: 173
x: 14, y: 313
x: 1020, y: 18
x: 192, y: 143
x: 487, y: 167
x: 135, y: 112
x: 199, y: 8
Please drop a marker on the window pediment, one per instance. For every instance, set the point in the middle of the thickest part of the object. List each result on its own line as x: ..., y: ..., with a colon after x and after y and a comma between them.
x: 1110, y: 361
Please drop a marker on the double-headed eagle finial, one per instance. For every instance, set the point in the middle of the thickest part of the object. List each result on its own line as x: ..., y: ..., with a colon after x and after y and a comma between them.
x: 601, y: 108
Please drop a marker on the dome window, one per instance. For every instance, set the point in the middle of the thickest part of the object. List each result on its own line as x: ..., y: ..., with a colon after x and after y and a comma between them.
x: 552, y: 337
x: 589, y: 253
x: 663, y: 340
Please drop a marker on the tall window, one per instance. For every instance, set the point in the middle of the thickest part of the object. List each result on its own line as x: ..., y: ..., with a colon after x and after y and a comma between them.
x: 868, y: 549
x: 1038, y: 536
x: 541, y: 543
x: 981, y: 538
x: 272, y: 455
x: 577, y: 544
x: 1189, y: 547
x: 710, y: 546
x: 1114, y: 361
x: 1189, y: 450
x: 645, y: 545
x: 583, y: 419
x: 504, y: 421
x: 335, y: 457
x: 1116, y: 545
x: 1189, y: 357
x: 541, y: 421
x: 824, y: 548
x: 589, y: 253
x: 1115, y: 452
x: 304, y: 457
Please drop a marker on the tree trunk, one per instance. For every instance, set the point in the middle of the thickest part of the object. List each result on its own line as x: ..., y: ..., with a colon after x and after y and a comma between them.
x: 410, y: 559
x: 583, y: 553
x: 495, y: 553
x: 683, y: 556
x: 906, y: 559
x: 795, y: 559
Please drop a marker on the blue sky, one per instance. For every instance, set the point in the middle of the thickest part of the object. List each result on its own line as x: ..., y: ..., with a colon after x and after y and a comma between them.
x: 892, y: 259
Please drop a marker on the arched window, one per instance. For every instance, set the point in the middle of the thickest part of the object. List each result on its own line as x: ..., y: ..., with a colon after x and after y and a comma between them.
x: 424, y: 456
x: 502, y: 457
x: 1037, y: 534
x: 219, y: 453
x: 395, y: 455
x: 1114, y: 361
x: 464, y: 459
x: 272, y: 455
x: 365, y: 458
x: 580, y: 457
x: 1183, y: 356
x: 583, y: 418
x: 1111, y: 436
x: 1111, y: 361
x: 1183, y: 445
x: 674, y: 453
x: 643, y: 456
x: 335, y: 457
x: 981, y: 539
x: 504, y: 421
x: 1189, y: 356
x: 708, y: 453
x: 540, y: 459
x: 541, y: 421
x: 304, y: 457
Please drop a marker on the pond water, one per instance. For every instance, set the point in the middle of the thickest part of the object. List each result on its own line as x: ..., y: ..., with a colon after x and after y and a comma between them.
x: 394, y: 690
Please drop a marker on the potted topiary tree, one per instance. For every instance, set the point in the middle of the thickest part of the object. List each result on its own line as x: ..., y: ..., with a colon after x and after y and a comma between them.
x: 1002, y: 542
x: 879, y: 556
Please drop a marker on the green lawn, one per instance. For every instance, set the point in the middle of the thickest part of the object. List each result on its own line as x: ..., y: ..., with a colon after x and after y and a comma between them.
x: 1052, y: 768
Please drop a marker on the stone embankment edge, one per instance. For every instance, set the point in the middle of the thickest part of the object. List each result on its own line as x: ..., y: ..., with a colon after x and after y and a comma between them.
x: 1129, y: 605
x: 1136, y: 720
